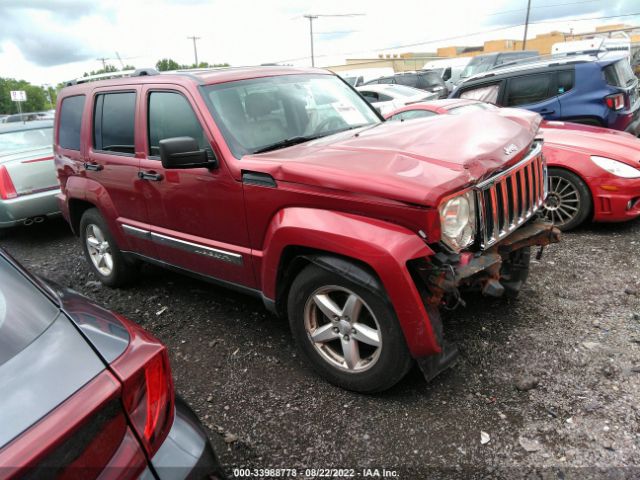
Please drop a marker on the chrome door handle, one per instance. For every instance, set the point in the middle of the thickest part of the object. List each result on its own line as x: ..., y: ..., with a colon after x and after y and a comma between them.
x: 152, y: 176
x: 94, y: 167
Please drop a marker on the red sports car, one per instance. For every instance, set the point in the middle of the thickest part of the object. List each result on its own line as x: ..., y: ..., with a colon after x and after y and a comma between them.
x: 593, y: 172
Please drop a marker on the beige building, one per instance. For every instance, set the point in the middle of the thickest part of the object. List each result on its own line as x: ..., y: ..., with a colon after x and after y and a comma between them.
x: 542, y: 43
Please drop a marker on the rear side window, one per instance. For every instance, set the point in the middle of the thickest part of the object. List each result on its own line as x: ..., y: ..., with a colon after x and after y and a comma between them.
x: 619, y: 74
x: 527, y: 90
x: 25, y: 312
x: 565, y: 81
x: 113, y: 126
x: 70, y: 122
x: 170, y: 115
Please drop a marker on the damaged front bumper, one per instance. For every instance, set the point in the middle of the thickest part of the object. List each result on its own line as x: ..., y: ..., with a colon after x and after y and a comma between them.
x: 503, y: 267
x: 492, y: 271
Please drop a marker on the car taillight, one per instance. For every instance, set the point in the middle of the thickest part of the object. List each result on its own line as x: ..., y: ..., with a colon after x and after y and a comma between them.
x: 615, y: 101
x: 7, y: 189
x: 149, y: 401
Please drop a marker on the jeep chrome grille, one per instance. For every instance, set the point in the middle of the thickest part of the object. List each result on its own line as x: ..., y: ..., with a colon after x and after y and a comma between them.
x: 512, y: 197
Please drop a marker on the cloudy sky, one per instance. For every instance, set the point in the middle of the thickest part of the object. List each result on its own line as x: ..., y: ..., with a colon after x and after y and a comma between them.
x: 48, y: 41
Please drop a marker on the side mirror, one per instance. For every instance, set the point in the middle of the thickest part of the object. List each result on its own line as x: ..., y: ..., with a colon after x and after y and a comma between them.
x: 183, y: 152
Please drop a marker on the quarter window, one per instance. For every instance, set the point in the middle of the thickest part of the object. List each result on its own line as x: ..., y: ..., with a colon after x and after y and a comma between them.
x: 70, y: 122
x: 170, y: 115
x: 113, y: 126
x: 529, y: 89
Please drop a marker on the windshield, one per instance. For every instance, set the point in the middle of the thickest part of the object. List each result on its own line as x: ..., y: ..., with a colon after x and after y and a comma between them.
x: 24, y: 312
x: 478, y: 65
x: 431, y: 78
x: 257, y: 113
x: 23, y: 140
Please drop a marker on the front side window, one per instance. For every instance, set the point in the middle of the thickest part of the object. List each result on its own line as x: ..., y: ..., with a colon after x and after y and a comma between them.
x: 528, y: 90
x: 70, y: 122
x: 113, y: 126
x: 487, y: 93
x: 171, y: 115
x: 429, y: 80
x: 408, y: 80
x: 260, y: 114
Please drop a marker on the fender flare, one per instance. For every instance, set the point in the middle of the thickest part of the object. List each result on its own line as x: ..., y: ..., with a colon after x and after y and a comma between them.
x: 382, y: 246
x: 90, y: 191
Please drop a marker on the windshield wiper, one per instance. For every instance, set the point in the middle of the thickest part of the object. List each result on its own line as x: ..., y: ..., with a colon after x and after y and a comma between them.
x: 288, y: 142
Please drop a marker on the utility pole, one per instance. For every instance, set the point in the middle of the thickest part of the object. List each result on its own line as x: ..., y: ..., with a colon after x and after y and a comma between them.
x: 311, y: 19
x: 104, y: 62
x: 195, y: 48
x: 314, y: 17
x: 526, y: 25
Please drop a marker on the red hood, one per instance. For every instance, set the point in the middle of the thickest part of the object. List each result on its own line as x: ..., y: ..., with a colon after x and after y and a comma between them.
x: 603, y: 142
x: 415, y: 162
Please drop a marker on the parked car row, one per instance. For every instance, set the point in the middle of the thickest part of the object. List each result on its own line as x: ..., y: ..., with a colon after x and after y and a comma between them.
x: 592, y: 89
x: 27, y: 117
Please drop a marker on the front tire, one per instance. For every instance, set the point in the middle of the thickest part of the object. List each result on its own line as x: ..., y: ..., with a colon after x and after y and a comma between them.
x: 102, y: 253
x: 569, y: 202
x: 349, y: 333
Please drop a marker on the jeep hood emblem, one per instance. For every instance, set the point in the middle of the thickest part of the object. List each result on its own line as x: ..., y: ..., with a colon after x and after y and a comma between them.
x: 509, y: 149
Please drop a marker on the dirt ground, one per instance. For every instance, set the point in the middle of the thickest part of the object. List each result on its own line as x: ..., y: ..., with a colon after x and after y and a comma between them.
x: 551, y: 378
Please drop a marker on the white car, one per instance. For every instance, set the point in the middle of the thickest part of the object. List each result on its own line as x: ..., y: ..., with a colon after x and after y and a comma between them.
x: 387, y: 98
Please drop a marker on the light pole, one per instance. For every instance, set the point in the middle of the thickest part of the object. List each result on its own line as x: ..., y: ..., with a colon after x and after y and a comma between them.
x: 315, y: 17
x: 526, y: 25
x: 195, y: 48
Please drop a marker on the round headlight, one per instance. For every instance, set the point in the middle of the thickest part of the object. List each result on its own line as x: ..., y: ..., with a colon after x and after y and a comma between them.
x: 457, y: 221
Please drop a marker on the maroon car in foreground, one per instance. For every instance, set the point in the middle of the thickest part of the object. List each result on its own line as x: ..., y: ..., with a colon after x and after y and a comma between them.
x: 86, y: 393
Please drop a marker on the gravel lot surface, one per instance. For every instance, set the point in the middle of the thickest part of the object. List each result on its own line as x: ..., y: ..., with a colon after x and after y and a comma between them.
x: 548, y: 385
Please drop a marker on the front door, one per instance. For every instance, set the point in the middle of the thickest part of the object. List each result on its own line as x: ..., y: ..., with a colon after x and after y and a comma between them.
x: 196, y: 216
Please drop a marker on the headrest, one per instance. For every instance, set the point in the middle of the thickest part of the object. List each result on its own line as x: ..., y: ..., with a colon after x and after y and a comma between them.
x: 259, y: 104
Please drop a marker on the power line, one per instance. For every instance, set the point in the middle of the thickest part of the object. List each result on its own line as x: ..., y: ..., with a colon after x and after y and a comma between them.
x: 540, y: 6
x: 457, y: 37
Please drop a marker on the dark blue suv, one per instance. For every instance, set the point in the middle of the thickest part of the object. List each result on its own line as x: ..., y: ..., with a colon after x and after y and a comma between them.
x: 591, y: 89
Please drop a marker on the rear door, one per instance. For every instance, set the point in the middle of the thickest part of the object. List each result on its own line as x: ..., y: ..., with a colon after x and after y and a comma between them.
x: 196, y: 216
x: 113, y: 163
x: 536, y: 92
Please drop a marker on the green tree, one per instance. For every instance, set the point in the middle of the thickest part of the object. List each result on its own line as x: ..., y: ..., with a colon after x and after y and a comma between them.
x: 36, y: 96
x: 107, y: 69
x: 167, y: 64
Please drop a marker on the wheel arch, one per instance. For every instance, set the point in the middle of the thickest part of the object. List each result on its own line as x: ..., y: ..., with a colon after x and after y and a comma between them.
x: 582, y: 178
x: 339, y: 240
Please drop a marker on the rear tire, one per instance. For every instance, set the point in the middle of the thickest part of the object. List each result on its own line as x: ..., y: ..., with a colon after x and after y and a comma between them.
x: 103, y: 255
x: 568, y: 204
x: 361, y: 347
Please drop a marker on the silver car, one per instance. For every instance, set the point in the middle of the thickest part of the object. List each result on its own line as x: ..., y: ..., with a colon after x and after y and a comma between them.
x: 28, y: 182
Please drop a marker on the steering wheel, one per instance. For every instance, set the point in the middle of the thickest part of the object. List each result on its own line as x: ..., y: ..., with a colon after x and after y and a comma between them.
x: 334, y: 121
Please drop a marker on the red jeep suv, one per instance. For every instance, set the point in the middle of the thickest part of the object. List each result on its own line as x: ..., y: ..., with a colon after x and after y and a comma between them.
x: 286, y: 184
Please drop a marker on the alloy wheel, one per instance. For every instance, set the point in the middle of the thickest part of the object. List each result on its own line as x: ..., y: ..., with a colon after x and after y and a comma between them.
x: 99, y: 250
x: 563, y: 201
x: 342, y: 329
